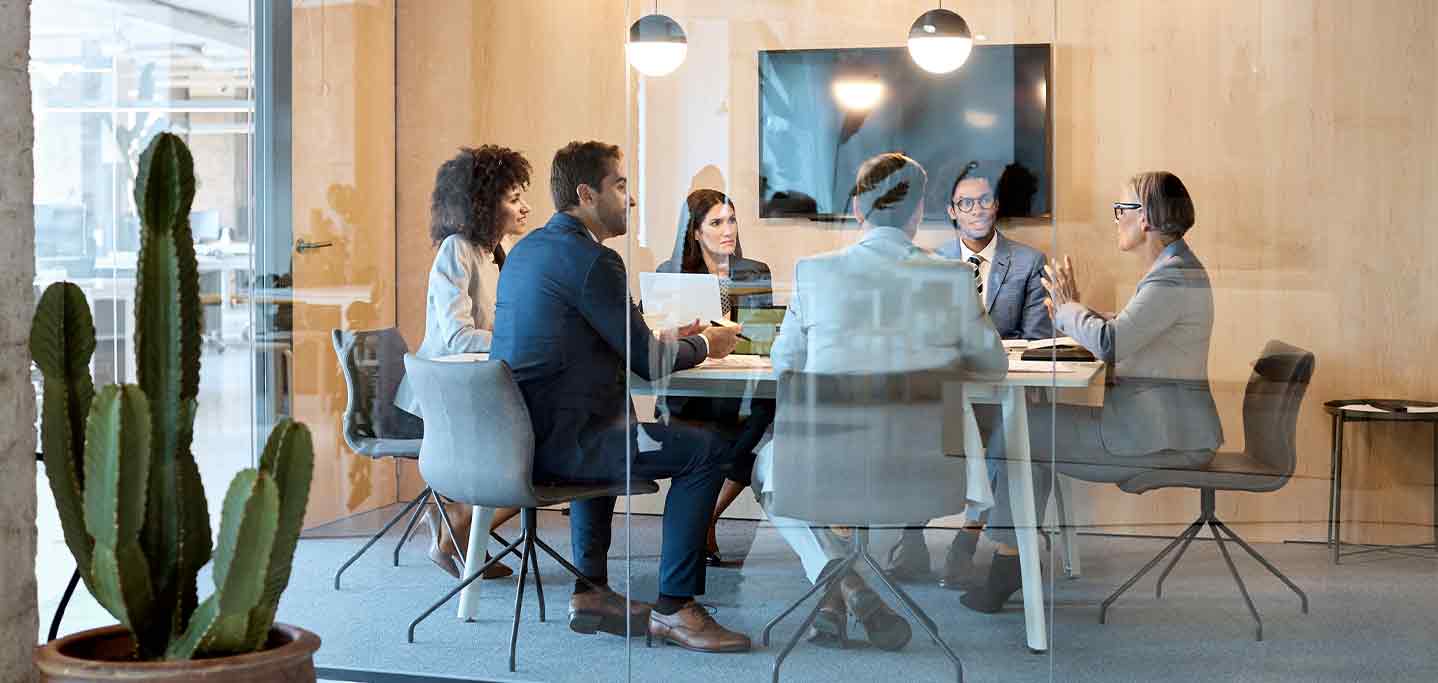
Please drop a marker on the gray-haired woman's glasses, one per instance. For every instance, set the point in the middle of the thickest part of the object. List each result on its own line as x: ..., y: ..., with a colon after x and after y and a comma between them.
x: 1120, y: 207
x: 967, y: 204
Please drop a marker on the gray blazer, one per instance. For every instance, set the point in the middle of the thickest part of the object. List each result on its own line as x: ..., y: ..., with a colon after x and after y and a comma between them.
x: 1158, y: 349
x: 1014, y: 290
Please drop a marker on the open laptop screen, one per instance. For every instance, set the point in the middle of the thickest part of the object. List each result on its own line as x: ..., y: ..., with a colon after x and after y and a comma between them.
x: 761, y: 324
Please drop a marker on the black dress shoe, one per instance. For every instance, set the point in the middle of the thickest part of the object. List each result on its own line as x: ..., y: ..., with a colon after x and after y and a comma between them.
x: 1005, y: 577
x: 712, y: 559
x: 909, y: 559
x: 884, y: 629
x: 959, y: 562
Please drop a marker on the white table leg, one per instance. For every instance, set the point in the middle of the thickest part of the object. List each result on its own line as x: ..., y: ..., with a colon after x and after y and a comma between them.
x: 474, y: 559
x: 1021, y: 497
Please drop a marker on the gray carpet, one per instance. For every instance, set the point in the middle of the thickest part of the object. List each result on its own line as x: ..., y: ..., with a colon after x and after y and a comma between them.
x: 1374, y: 619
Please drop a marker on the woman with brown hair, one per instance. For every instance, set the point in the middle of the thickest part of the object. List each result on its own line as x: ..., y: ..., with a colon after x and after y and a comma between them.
x: 710, y: 244
x: 477, y: 202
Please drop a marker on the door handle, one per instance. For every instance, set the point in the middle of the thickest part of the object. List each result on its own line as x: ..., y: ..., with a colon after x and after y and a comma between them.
x: 301, y: 246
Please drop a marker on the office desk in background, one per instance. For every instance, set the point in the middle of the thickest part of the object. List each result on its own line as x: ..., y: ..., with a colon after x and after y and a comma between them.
x: 753, y: 376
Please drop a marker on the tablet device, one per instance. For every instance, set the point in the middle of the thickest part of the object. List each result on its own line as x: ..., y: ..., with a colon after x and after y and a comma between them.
x: 761, y: 326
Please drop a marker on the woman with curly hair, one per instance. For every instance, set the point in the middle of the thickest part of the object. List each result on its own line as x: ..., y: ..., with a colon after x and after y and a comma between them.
x: 478, y: 201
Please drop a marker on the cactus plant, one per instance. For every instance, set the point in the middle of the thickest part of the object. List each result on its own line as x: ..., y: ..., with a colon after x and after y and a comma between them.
x: 120, y: 465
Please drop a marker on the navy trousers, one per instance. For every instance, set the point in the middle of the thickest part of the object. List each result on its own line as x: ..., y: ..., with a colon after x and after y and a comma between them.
x: 695, y: 460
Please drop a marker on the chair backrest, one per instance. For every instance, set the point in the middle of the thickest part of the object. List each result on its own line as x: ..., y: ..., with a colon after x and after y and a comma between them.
x: 863, y: 449
x: 1270, y: 406
x: 372, y: 362
x: 478, y: 441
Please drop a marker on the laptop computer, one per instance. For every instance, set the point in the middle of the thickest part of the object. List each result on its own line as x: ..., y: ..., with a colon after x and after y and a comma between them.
x: 761, y: 326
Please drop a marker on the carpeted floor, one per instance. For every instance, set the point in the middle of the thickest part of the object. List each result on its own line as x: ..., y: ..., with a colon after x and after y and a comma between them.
x: 1373, y: 619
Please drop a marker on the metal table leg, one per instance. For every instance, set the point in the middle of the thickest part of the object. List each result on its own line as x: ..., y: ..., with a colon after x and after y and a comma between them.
x: 1338, y: 489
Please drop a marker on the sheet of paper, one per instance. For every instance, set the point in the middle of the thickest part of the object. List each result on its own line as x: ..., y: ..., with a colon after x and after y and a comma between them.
x: 1039, y: 366
x: 1045, y: 343
x: 1369, y: 408
x: 736, y: 361
x: 680, y: 298
x: 463, y: 358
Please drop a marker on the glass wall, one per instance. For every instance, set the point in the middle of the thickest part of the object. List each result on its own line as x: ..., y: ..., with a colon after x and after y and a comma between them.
x: 834, y: 189
x: 107, y: 77
x: 1008, y: 399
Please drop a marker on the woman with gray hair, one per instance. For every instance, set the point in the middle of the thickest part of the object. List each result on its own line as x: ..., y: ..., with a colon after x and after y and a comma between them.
x: 1158, y: 411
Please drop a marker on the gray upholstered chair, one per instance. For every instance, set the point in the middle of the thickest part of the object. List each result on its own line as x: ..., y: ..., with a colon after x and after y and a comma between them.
x: 862, y: 451
x: 1270, y: 419
x: 372, y: 362
x: 479, y: 450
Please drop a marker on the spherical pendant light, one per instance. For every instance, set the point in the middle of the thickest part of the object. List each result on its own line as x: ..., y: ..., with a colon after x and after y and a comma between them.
x: 939, y: 41
x: 656, y: 45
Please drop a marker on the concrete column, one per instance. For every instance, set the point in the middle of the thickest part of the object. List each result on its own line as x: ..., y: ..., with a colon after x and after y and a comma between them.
x: 18, y: 618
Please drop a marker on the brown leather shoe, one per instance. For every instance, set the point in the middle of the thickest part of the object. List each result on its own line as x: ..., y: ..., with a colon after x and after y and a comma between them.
x: 602, y: 609
x: 831, y: 623
x: 693, y: 628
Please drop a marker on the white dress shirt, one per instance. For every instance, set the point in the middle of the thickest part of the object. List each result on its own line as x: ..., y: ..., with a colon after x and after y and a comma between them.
x: 987, y: 254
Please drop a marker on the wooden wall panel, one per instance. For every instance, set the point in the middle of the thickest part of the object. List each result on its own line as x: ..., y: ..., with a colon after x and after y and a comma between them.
x: 1304, y: 129
x: 528, y: 75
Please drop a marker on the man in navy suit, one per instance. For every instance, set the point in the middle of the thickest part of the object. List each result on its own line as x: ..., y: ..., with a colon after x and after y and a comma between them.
x: 566, y: 325
x: 1010, y: 286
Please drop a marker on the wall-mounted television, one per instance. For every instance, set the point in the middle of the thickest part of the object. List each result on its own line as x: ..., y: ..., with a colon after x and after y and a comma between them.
x: 823, y: 112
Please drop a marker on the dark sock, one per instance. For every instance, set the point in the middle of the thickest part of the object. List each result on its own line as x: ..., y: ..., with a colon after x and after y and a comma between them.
x: 669, y: 604
x: 583, y: 587
x: 967, y: 541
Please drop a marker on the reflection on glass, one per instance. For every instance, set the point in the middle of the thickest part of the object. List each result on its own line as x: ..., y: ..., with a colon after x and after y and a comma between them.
x: 107, y: 77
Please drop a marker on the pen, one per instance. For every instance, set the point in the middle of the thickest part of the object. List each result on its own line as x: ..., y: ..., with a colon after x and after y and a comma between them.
x: 740, y: 335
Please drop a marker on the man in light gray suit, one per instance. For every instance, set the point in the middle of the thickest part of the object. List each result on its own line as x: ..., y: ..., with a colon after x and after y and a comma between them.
x: 882, y: 305
x: 1010, y: 283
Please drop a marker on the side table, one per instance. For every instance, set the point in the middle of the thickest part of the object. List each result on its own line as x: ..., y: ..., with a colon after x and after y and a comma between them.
x: 1373, y: 410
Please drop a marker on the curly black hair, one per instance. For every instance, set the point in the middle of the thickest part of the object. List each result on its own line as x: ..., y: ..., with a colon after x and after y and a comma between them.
x: 467, y: 193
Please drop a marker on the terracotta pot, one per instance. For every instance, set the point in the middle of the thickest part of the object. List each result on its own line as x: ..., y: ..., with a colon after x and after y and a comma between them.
x: 99, y: 655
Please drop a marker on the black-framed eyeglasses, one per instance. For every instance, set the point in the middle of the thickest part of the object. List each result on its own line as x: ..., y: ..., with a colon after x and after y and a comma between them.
x: 1120, y: 207
x: 966, y: 204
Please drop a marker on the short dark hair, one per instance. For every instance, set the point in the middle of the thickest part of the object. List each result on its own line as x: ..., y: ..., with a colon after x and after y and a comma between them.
x: 890, y: 186
x: 579, y: 163
x: 1166, y: 202
x: 467, y: 193
x: 696, y: 207
x: 974, y: 170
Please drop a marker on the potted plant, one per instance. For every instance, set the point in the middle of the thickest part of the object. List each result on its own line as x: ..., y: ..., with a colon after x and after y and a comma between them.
x: 131, y: 505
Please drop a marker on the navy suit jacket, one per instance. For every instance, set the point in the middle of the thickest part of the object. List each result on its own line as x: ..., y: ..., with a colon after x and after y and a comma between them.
x: 1014, y: 289
x: 562, y: 311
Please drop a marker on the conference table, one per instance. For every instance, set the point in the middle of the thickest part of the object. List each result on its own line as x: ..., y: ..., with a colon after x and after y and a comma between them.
x: 753, y: 376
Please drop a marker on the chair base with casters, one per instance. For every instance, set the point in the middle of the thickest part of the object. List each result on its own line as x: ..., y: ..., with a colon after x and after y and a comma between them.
x: 525, y: 546
x: 1206, y: 517
x: 829, y: 582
